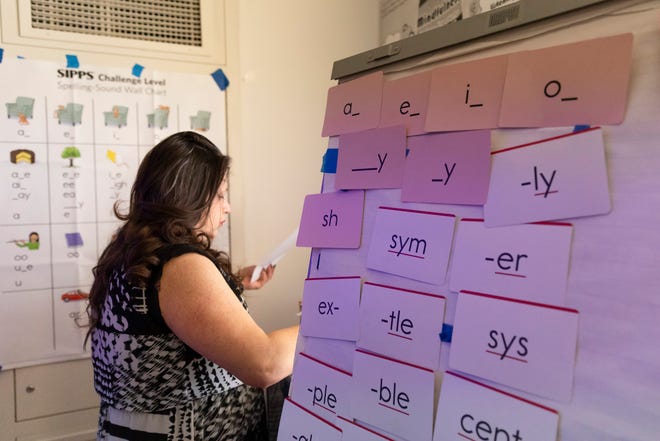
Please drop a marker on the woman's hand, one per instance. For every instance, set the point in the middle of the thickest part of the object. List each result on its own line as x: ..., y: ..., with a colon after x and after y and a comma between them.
x: 265, y: 276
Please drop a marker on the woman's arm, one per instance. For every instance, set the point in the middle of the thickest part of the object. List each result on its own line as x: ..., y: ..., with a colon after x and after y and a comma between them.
x: 200, y: 308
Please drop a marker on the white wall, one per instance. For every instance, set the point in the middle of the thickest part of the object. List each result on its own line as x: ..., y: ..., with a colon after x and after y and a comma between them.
x: 286, y: 51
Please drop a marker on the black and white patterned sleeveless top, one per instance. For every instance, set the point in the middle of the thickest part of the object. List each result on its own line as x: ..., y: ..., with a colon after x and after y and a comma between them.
x: 153, y: 386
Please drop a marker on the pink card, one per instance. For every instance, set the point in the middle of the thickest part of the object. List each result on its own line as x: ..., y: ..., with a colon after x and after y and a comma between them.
x: 352, y: 431
x: 330, y: 308
x: 320, y: 387
x: 371, y: 159
x: 578, y: 83
x: 401, y: 324
x: 556, y: 178
x: 299, y: 424
x: 393, y: 395
x: 466, y: 96
x: 331, y: 220
x: 448, y: 168
x: 354, y: 105
x: 411, y: 243
x: 405, y: 101
x: 526, y: 262
x: 470, y: 409
x: 525, y: 345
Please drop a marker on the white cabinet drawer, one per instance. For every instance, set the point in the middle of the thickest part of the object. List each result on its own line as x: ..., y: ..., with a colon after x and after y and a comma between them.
x: 54, y: 388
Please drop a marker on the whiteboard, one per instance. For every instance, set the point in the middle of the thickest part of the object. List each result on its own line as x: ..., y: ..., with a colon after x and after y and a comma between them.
x: 614, y: 278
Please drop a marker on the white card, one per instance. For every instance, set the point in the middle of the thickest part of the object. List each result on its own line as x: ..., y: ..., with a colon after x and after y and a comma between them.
x: 320, y: 387
x: 526, y: 262
x: 401, y: 323
x: 525, y: 345
x: 299, y: 424
x: 411, y: 243
x: 556, y: 178
x: 393, y: 395
x: 473, y: 410
x: 330, y: 308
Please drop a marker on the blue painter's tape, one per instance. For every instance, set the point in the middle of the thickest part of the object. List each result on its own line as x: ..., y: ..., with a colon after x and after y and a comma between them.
x: 330, y: 161
x: 220, y: 79
x: 72, y: 61
x: 447, y: 332
x: 581, y: 127
x: 2, y: 52
x: 137, y: 70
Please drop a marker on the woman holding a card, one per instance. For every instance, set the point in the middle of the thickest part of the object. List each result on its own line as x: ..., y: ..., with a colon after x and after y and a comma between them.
x: 176, y: 355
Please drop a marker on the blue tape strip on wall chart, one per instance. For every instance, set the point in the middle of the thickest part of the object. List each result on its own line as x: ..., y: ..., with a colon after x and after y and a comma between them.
x: 220, y: 79
x: 72, y: 61
x: 137, y: 70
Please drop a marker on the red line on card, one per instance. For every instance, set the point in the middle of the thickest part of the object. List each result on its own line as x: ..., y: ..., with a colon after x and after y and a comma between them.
x: 509, y: 274
x: 312, y: 413
x: 466, y: 437
x: 525, y: 302
x: 524, y: 400
x: 373, y: 354
x: 471, y: 219
x: 400, y: 336
x: 325, y: 364
x: 544, y: 140
x: 408, y: 210
x: 404, y: 254
x: 558, y: 224
x: 522, y: 360
x: 323, y: 407
x: 405, y: 290
x: 363, y: 428
x: 333, y: 278
x: 544, y: 193
x: 392, y: 408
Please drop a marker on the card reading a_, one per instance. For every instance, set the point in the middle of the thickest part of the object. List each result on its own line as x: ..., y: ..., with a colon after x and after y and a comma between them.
x: 411, y: 243
x: 354, y: 105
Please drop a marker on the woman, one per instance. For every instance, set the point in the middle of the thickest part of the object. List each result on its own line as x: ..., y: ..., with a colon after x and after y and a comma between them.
x: 176, y: 355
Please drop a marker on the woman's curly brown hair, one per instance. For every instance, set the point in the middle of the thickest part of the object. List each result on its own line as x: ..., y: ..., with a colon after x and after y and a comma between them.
x: 174, y: 188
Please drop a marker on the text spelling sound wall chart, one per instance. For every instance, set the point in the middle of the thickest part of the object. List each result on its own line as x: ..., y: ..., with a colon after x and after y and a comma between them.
x: 486, y: 265
x: 71, y: 143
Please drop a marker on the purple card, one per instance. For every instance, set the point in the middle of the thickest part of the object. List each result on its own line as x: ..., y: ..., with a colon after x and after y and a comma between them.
x: 411, y: 243
x: 354, y: 105
x: 332, y: 220
x: 448, y: 168
x: 405, y: 101
x: 330, y: 308
x: 371, y: 159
